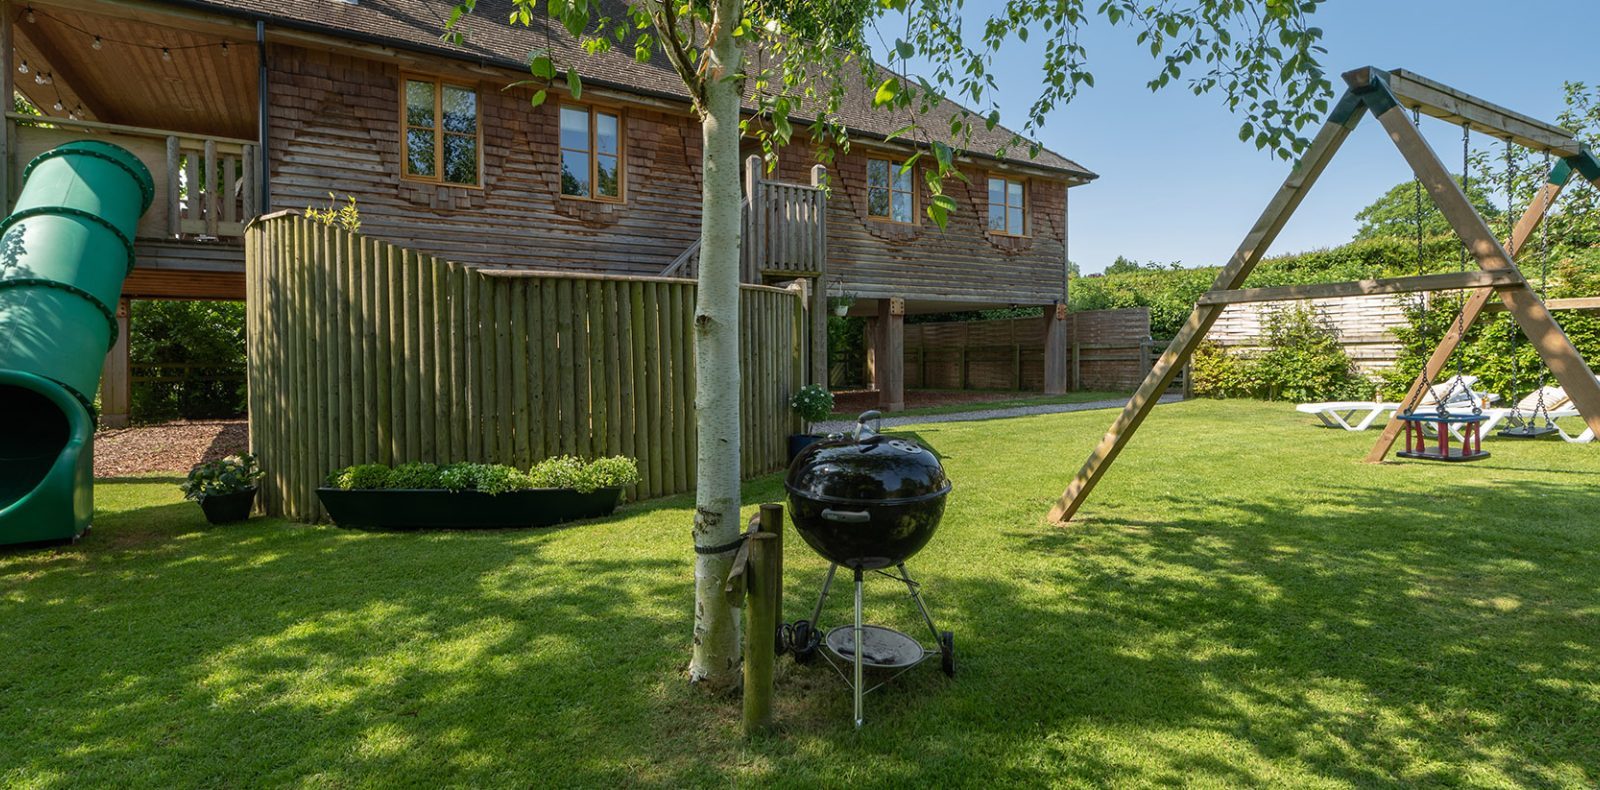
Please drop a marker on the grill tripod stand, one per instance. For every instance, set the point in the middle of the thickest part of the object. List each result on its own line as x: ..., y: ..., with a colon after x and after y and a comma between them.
x: 871, y: 645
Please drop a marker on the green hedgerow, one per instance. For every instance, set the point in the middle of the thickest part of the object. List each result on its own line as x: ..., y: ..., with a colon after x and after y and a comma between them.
x: 415, y: 475
x: 562, y: 471
x: 362, y: 477
x: 499, y: 479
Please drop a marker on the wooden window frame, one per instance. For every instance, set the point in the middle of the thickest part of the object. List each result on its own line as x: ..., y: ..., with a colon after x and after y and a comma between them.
x: 894, y: 168
x: 594, y: 153
x: 1027, y: 205
x: 439, y: 133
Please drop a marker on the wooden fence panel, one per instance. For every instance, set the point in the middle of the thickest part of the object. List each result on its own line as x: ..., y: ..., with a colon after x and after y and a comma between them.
x: 363, y: 352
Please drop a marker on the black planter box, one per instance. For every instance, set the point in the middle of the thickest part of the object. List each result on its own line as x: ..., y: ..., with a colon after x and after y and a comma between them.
x: 410, y: 508
x: 228, y: 508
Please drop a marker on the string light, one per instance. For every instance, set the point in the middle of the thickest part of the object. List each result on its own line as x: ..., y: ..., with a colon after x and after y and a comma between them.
x: 58, y: 106
x: 166, y: 54
x: 224, y: 49
x: 24, y: 67
x: 29, y: 15
x: 97, y: 43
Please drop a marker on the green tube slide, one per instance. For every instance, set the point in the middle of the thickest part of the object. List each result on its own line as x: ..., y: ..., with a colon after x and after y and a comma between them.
x: 64, y: 253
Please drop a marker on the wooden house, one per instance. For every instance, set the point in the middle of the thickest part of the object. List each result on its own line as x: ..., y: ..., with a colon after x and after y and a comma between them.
x: 242, y: 107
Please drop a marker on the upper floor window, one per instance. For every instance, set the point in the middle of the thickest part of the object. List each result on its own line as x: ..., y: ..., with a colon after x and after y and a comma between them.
x: 1008, y: 206
x: 890, y: 194
x: 591, y: 153
x: 442, y: 133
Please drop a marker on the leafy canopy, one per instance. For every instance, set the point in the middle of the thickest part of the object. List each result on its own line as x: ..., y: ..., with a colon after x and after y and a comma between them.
x: 803, y: 56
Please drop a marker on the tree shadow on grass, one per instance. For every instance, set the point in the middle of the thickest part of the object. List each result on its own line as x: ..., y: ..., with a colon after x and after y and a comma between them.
x: 1449, y: 638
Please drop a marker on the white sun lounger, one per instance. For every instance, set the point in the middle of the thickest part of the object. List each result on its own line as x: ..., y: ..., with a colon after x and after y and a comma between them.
x: 1360, y: 415
x: 1555, y: 400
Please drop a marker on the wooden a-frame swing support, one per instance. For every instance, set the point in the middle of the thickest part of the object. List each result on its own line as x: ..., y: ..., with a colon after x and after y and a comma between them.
x: 1387, y: 95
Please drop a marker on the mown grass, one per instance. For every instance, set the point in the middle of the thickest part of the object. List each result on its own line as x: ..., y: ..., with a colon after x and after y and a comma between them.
x: 1244, y: 602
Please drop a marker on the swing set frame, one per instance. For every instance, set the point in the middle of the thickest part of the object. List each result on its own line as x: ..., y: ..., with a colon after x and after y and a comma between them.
x: 1387, y: 95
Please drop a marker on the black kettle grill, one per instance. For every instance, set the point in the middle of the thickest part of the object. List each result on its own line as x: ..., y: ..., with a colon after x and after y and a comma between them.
x: 868, y: 502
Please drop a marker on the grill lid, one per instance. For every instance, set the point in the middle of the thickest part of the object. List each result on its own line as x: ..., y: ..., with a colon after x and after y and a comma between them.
x: 867, y: 467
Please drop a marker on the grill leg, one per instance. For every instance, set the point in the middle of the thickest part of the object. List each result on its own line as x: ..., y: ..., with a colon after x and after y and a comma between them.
x: 858, y: 686
x: 816, y: 614
x: 917, y: 596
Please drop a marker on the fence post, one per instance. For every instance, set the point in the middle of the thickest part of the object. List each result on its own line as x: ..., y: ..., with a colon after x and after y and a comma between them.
x: 762, y: 608
x: 1077, y: 371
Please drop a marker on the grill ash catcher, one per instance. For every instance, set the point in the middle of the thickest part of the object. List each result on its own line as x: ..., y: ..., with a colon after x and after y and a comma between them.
x: 867, y: 502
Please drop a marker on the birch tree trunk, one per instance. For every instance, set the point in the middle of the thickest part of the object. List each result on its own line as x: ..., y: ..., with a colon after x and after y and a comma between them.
x: 715, y: 662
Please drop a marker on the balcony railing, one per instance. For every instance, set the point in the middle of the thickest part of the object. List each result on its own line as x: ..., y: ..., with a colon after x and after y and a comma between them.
x: 206, y: 187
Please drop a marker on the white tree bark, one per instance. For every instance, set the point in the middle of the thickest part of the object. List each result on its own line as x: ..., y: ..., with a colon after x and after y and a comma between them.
x: 715, y: 662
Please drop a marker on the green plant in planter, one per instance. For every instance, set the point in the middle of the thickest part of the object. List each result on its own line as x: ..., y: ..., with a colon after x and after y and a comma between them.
x: 231, y: 475
x: 415, y: 475
x: 361, y: 477
x: 617, y: 471
x: 813, y: 403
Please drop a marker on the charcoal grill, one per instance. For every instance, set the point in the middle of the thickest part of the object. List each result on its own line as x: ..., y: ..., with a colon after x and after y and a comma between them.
x: 868, y: 502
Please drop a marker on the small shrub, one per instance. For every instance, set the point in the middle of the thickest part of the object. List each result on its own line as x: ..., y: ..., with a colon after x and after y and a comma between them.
x: 346, y: 216
x: 415, y: 475
x: 1304, y: 360
x: 1219, y: 373
x: 617, y: 471
x: 362, y: 477
x: 562, y: 471
x: 499, y: 479
x: 225, y: 476
x: 459, y: 477
x: 813, y: 403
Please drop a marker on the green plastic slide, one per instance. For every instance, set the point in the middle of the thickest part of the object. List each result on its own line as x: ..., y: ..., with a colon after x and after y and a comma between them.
x: 64, y: 253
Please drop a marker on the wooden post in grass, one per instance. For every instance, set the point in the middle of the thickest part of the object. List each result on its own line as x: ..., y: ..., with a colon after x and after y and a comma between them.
x: 762, y: 608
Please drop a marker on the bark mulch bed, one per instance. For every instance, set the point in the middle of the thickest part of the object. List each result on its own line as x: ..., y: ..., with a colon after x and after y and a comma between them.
x: 172, y: 447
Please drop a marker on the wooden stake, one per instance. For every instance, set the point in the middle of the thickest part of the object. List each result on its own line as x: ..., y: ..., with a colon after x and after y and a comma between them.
x: 762, y: 608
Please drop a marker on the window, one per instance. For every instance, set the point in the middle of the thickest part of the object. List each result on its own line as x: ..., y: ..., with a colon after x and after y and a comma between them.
x: 889, y: 191
x: 591, y: 153
x: 441, y: 132
x: 1008, y: 206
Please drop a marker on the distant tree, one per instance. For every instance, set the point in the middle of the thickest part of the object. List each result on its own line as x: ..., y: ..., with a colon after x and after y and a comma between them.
x: 1395, y: 214
x: 1123, y: 265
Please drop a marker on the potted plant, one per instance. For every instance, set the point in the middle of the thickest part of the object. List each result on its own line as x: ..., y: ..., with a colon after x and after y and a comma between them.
x: 476, y: 496
x: 225, y: 488
x: 812, y: 404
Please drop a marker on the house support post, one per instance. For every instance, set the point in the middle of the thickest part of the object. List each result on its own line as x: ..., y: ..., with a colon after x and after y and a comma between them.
x: 872, y: 341
x: 891, y: 356
x: 115, y: 386
x: 819, y: 294
x: 1055, y: 350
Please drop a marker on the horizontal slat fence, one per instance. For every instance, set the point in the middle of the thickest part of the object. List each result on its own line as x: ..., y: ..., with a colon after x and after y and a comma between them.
x: 363, y: 352
x: 1103, y: 347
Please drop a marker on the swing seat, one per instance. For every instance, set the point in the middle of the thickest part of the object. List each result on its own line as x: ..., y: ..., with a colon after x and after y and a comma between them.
x: 1421, y: 446
x: 1527, y: 431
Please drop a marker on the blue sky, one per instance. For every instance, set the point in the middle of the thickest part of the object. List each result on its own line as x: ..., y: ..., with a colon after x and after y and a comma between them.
x: 1177, y: 185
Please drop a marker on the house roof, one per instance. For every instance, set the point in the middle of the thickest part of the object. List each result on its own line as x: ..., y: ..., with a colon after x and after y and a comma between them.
x: 491, y: 39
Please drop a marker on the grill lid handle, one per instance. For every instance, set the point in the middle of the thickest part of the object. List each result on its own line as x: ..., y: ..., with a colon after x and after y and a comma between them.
x: 846, y: 516
x: 863, y: 432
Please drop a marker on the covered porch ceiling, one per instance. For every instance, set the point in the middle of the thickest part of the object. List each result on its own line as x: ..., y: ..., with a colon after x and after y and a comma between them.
x: 133, y: 70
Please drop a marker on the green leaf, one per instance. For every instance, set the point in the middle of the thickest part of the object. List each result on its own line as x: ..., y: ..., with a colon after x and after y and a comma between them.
x: 904, y: 49
x: 574, y: 84
x: 887, y: 91
x: 539, y: 97
x: 542, y: 67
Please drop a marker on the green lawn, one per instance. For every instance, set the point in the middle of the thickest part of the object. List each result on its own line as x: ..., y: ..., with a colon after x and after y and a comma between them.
x: 1243, y: 602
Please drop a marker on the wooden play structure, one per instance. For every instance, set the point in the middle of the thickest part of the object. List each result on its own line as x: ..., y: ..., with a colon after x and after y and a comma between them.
x: 1388, y: 95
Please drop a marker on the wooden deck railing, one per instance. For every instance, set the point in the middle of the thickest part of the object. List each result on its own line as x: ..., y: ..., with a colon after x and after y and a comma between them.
x: 785, y: 233
x: 205, y: 186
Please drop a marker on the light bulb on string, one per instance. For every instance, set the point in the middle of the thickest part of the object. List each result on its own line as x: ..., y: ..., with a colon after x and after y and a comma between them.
x: 58, y: 106
x: 38, y: 78
x: 49, y: 79
x: 23, y: 68
x: 97, y: 45
x: 166, y: 54
x: 224, y: 49
x: 29, y: 16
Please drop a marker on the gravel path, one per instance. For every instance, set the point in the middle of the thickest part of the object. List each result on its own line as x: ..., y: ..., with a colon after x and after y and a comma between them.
x: 838, y: 426
x: 166, y: 448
